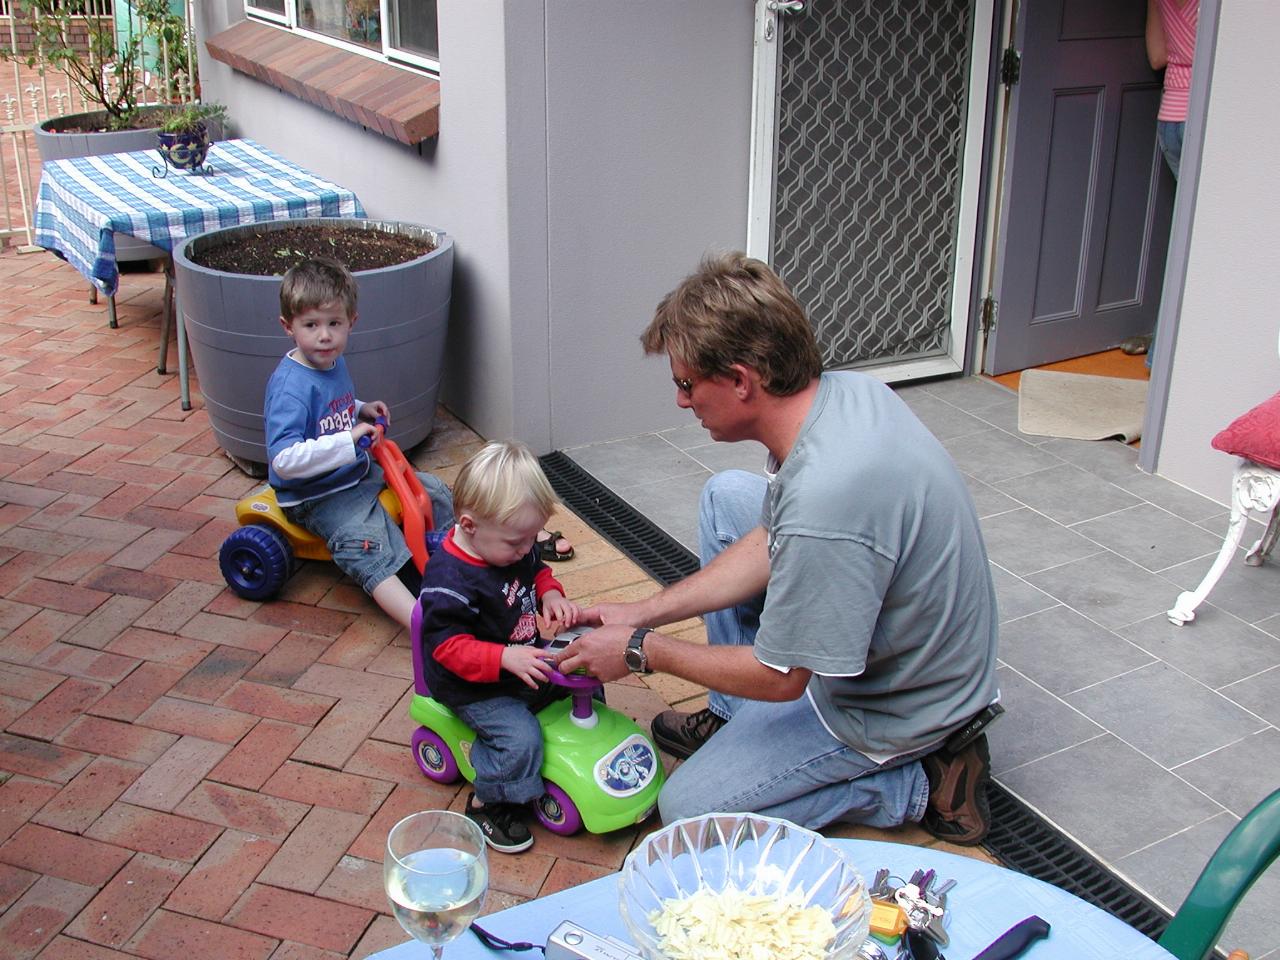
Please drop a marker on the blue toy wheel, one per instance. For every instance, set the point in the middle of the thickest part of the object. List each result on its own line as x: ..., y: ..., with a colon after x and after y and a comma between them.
x: 256, y: 561
x: 557, y: 812
x: 434, y: 757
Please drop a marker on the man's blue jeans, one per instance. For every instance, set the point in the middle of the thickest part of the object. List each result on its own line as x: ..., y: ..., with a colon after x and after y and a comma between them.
x: 777, y: 758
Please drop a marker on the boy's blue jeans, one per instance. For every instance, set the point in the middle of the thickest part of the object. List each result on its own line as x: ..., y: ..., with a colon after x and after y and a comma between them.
x: 507, y: 753
x: 363, y: 539
x: 777, y: 758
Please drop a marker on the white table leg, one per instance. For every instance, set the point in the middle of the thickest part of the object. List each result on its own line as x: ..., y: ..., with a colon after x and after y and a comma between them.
x: 1252, y: 488
x: 1257, y: 556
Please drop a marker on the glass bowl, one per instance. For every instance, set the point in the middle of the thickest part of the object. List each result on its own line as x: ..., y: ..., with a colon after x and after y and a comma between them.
x: 781, y: 869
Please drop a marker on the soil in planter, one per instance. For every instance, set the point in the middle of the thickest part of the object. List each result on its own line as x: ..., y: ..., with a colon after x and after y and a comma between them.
x: 269, y: 253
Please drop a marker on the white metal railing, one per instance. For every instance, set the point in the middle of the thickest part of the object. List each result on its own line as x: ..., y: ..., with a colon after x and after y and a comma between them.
x: 31, y: 95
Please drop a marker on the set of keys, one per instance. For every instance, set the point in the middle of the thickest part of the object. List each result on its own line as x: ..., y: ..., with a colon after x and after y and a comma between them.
x: 917, y: 905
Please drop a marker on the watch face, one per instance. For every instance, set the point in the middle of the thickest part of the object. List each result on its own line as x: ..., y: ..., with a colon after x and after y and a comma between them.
x: 633, y: 658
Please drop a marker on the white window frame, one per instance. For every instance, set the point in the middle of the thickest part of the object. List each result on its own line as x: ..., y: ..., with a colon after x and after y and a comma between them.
x: 390, y: 54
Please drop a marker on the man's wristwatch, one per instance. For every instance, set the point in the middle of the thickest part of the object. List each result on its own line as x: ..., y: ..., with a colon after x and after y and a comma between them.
x: 634, y: 655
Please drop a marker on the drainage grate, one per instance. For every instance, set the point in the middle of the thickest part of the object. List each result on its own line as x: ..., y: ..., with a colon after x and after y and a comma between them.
x: 1020, y: 838
x: 653, y: 550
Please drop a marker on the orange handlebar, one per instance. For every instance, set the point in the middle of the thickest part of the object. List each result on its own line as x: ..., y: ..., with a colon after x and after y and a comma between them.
x: 414, y: 502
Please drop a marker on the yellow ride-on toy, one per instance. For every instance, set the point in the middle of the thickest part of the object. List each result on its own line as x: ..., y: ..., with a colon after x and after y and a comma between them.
x: 257, y: 559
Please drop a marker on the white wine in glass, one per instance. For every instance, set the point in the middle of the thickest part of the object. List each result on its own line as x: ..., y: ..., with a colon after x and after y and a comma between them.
x: 436, y: 875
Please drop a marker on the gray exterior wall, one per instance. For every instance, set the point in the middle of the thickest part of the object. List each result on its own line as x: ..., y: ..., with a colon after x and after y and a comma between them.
x: 590, y: 151
x: 1225, y: 358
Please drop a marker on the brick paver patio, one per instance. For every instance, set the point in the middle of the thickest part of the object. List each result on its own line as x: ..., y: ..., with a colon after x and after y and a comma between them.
x: 183, y: 772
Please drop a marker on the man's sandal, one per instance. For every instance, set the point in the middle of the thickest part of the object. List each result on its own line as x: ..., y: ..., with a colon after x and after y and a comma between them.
x: 550, y: 543
x: 958, y: 811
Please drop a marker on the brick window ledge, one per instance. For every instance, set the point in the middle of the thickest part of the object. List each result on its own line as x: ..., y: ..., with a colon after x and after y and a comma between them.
x: 400, y: 104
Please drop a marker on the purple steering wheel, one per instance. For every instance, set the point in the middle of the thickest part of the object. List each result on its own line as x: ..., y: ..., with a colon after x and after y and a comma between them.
x: 582, y: 685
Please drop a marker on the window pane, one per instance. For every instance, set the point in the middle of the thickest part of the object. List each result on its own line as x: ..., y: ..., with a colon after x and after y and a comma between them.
x: 356, y: 21
x: 413, y: 27
x: 271, y: 6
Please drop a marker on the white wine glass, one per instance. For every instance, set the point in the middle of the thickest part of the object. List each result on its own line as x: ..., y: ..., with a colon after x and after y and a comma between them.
x: 436, y: 875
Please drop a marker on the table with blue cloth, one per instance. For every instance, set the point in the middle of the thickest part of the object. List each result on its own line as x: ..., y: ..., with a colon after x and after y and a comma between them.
x: 85, y: 201
x: 986, y: 901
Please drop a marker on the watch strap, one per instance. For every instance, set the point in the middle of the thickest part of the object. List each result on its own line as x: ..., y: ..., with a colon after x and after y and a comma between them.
x: 636, y: 643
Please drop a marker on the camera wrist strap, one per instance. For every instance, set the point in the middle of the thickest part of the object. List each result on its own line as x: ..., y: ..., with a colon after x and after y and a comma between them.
x: 494, y: 942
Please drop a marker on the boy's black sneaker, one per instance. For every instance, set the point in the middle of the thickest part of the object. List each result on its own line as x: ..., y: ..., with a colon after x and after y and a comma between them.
x: 502, y: 825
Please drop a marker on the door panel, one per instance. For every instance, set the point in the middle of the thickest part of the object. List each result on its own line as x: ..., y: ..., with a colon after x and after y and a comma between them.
x: 1085, y: 219
x: 1054, y: 287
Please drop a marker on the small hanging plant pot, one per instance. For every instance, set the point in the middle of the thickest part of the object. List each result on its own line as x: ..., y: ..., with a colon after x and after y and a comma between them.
x: 183, y: 151
x: 185, y: 135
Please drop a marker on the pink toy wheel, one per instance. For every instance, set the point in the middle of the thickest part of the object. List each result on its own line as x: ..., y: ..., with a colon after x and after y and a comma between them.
x: 434, y: 757
x: 557, y: 812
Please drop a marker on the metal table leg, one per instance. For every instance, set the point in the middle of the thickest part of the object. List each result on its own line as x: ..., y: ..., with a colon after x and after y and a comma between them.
x: 184, y: 384
x: 166, y: 317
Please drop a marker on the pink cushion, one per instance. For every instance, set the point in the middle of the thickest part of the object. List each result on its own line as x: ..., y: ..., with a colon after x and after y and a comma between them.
x: 1254, y: 435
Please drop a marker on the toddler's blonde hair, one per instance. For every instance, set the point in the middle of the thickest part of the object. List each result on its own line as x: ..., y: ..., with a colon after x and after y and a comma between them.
x: 500, y: 480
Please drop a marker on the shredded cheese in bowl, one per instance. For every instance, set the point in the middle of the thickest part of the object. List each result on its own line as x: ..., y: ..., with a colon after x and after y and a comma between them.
x: 733, y: 925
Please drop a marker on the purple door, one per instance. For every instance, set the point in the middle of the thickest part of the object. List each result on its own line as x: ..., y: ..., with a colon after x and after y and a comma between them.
x: 1087, y: 198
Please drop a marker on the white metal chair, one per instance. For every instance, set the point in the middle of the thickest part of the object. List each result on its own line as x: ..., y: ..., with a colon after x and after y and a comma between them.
x: 1255, y: 487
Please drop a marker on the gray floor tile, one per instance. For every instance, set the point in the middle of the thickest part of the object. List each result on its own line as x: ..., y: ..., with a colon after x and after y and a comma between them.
x: 748, y: 455
x: 1106, y: 588
x: 1035, y: 724
x: 1174, y: 498
x: 1004, y: 416
x: 671, y: 504
x: 1110, y: 796
x: 1108, y: 459
x: 994, y: 455
x: 1165, y: 714
x: 692, y: 434
x: 1150, y: 537
x: 1216, y: 650
x: 1015, y: 597
x: 1168, y: 869
x: 970, y: 393
x: 1250, y: 593
x: 636, y: 460
x: 1024, y: 542
x: 987, y: 500
x: 1240, y: 775
x: 1063, y: 651
x: 944, y: 420
x: 1259, y: 693
x: 1067, y: 494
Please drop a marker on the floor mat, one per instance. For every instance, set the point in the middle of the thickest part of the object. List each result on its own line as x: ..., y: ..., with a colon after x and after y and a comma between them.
x: 1079, y: 406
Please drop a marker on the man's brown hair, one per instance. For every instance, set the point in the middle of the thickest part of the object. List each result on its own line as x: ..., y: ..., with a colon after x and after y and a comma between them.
x: 316, y: 283
x: 734, y: 309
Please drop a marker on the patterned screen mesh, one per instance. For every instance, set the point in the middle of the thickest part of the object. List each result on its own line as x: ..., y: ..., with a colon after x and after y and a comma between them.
x: 871, y: 107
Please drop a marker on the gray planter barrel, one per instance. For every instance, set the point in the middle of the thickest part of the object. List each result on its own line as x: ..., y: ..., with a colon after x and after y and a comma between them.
x: 395, y: 354
x: 55, y: 145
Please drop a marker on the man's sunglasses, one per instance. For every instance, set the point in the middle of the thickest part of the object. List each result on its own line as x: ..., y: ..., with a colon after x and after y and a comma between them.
x: 684, y: 385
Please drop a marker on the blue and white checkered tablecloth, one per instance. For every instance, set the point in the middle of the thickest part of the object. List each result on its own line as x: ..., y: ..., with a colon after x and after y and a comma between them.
x: 85, y: 201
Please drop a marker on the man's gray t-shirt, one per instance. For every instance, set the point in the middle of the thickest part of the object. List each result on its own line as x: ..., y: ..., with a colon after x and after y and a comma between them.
x: 879, y: 581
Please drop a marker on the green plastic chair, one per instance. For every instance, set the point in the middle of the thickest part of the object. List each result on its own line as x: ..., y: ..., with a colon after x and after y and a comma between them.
x: 1240, y: 859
